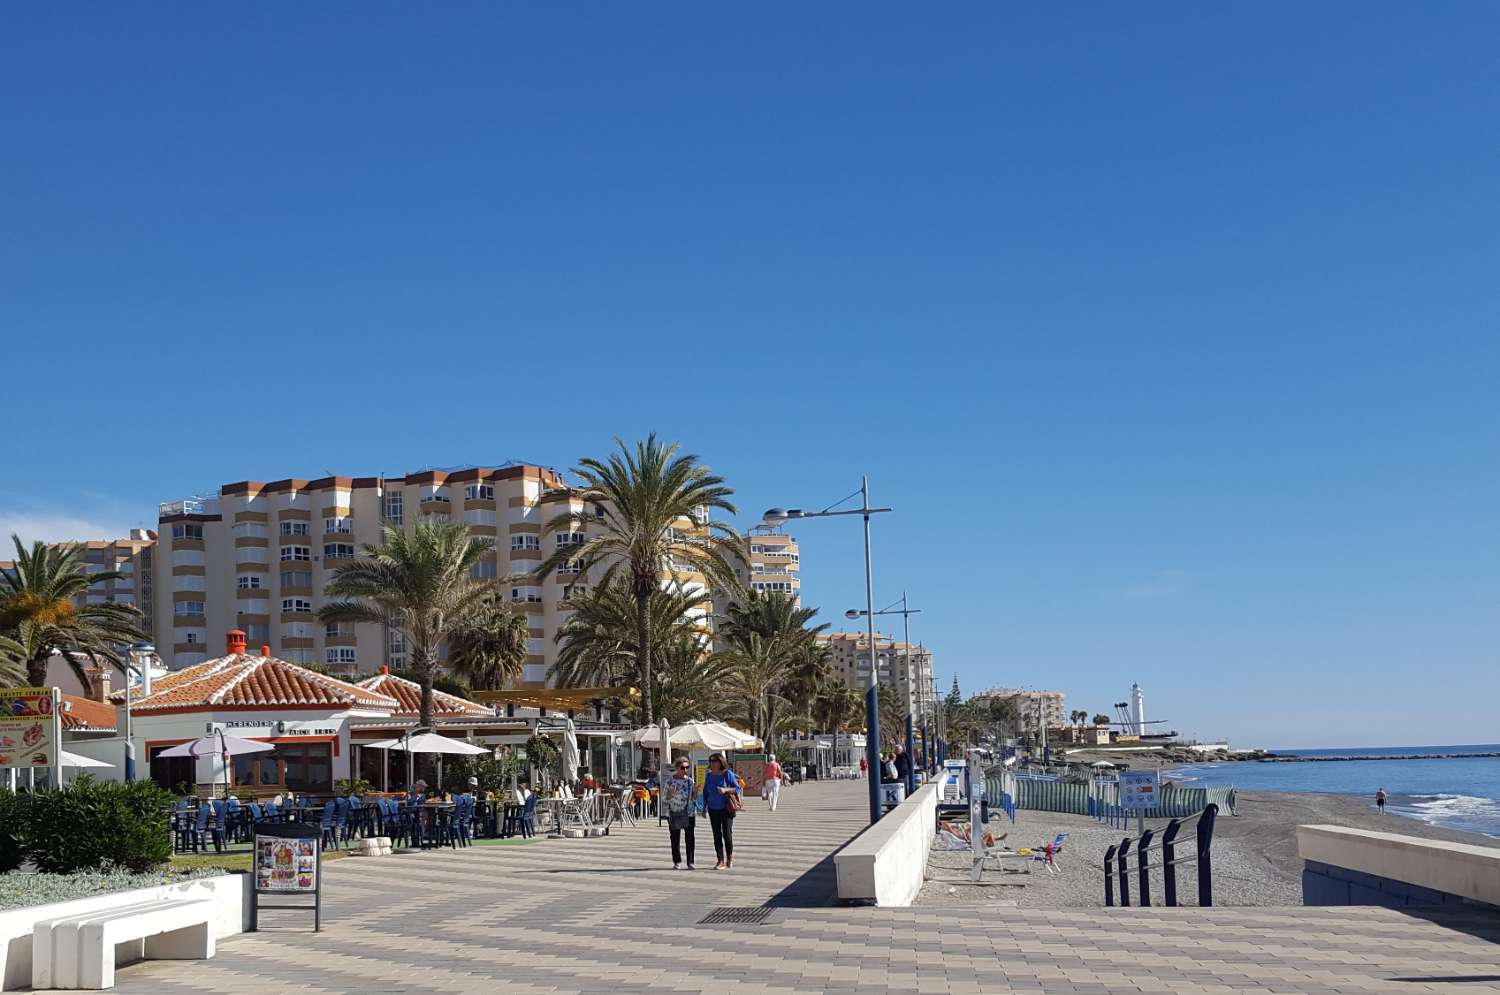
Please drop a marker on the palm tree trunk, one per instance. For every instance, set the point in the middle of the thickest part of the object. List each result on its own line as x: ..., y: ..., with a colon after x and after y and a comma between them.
x: 36, y: 667
x: 643, y: 649
x: 428, y: 671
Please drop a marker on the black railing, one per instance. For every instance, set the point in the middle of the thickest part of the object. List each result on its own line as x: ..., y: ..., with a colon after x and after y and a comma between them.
x: 1117, y: 862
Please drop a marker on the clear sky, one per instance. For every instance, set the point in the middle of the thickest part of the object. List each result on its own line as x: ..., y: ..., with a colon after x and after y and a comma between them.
x: 1170, y: 331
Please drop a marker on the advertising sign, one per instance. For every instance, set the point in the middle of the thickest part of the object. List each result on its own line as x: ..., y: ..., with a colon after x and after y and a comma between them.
x: 30, y: 733
x: 750, y: 768
x: 1140, y: 789
x: 288, y: 862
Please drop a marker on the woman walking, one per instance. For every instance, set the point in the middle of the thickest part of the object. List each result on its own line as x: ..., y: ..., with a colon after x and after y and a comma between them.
x: 682, y: 810
x: 719, y: 787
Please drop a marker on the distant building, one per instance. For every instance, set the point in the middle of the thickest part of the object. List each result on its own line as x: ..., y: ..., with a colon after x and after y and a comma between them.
x: 773, y: 561
x: 1037, y: 709
x: 906, y: 668
x: 133, y: 558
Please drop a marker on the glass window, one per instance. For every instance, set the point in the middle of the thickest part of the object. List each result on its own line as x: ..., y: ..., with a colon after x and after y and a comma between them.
x: 296, y: 605
x: 248, y: 582
x: 525, y: 541
x: 338, y: 551
x: 187, y: 530
x: 565, y: 539
x: 257, y: 633
x: 340, y: 654
x: 333, y: 630
x: 296, y: 578
x: 296, y: 553
x: 342, y: 524
x: 483, y: 570
x: 483, y: 492
x: 393, y: 507
x: 187, y: 608
x: 309, y: 766
x: 294, y: 528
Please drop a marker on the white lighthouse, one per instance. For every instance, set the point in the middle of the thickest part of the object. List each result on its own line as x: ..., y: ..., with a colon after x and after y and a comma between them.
x: 1138, y: 710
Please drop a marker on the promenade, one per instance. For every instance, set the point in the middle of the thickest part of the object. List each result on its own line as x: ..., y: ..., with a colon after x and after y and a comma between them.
x: 610, y: 915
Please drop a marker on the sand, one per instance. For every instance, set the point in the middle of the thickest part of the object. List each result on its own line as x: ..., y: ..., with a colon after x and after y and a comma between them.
x: 1254, y: 854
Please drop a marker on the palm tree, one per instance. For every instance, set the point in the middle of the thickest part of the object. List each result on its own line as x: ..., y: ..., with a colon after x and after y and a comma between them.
x: 758, y: 668
x: 1101, y: 719
x: 770, y: 620
x: 598, y: 641
x: 689, y: 679
x: 642, y: 497
x: 838, y: 706
x: 489, y: 649
x: 39, y: 617
x: 1078, y: 716
x: 420, y: 583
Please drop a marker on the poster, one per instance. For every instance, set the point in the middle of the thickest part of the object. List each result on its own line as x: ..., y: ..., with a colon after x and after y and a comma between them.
x: 1140, y: 789
x: 750, y: 768
x: 286, y: 863
x: 28, y: 728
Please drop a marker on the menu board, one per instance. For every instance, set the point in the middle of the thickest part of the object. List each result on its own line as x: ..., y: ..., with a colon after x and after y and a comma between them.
x: 750, y: 768
x: 286, y: 863
x: 29, y: 731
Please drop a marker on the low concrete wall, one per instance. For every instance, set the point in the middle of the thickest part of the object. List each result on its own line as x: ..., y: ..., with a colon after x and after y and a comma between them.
x: 231, y: 893
x: 1363, y: 867
x: 887, y: 862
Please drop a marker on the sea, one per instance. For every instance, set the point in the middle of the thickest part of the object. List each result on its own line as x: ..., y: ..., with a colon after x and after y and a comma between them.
x: 1459, y: 793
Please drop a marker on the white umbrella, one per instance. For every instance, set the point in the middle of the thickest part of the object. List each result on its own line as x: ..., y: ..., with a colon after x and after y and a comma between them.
x: 1101, y: 763
x: 74, y: 760
x: 427, y: 742
x: 221, y: 743
x: 569, y: 751
x: 698, y: 736
x: 661, y: 770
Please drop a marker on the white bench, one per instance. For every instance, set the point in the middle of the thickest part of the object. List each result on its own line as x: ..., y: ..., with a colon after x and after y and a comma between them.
x: 79, y: 951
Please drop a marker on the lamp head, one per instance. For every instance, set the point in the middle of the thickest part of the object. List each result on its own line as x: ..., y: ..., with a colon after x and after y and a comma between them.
x: 775, y: 516
x: 853, y: 613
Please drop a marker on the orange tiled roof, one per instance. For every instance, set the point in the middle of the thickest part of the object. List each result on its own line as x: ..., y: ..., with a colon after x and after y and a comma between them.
x: 409, y: 695
x: 242, y: 680
x: 87, y: 715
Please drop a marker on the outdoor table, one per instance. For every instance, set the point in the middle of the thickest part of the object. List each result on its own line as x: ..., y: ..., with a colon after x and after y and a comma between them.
x: 428, y: 814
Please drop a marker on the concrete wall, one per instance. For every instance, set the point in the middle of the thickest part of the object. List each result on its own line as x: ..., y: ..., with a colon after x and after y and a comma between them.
x: 887, y: 863
x: 1362, y: 867
x: 231, y: 892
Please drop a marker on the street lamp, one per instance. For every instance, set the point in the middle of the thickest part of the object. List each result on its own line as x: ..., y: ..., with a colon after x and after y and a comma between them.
x: 906, y: 613
x: 780, y: 516
x: 141, y: 655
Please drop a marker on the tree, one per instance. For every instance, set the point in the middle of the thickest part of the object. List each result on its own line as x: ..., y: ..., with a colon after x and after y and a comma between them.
x: 640, y: 498
x: 837, y: 707
x: 758, y: 667
x: 1101, y: 719
x: 1078, y: 716
x: 1003, y: 716
x: 421, y: 583
x: 489, y: 649
x: 38, y: 616
x: 690, y: 680
x: 769, y: 637
x: 892, y: 717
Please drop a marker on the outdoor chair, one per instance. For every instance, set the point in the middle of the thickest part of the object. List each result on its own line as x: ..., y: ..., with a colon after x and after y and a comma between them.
x: 328, y: 826
x: 182, y: 826
x: 459, y: 829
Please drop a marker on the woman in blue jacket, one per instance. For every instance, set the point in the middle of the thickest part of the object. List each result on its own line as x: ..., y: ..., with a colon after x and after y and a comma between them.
x: 718, y: 784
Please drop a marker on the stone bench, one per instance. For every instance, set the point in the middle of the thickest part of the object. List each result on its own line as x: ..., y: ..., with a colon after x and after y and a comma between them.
x: 79, y: 951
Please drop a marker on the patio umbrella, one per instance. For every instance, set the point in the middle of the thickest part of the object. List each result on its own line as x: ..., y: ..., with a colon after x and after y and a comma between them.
x: 698, y: 736
x: 67, y: 759
x: 661, y: 770
x: 569, y: 751
x: 221, y: 743
x: 427, y: 742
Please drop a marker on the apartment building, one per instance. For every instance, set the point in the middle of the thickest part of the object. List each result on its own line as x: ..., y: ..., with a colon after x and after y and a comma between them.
x: 259, y: 556
x: 1036, y: 708
x: 906, y: 668
x: 133, y: 558
x: 773, y: 562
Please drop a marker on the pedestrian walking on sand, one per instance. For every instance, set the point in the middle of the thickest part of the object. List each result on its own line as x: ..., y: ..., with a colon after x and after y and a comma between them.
x: 721, y: 800
x: 682, y: 809
x: 1380, y: 800
x: 772, y: 792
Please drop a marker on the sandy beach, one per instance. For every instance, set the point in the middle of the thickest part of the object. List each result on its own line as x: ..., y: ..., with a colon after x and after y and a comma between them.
x: 1254, y: 854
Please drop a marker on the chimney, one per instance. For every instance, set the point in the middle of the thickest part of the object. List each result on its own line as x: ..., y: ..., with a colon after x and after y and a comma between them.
x: 384, y: 669
x: 101, y: 686
x: 265, y: 649
x: 234, y: 641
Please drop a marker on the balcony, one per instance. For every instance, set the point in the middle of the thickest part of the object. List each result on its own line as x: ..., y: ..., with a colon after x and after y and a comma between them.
x: 200, y: 504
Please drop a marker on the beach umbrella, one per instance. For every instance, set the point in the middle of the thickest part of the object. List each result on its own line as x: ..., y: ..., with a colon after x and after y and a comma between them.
x: 697, y: 736
x: 569, y: 751
x: 221, y: 743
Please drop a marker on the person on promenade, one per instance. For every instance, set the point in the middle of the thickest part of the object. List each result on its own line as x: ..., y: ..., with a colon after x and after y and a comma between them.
x: 718, y: 785
x: 864, y: 767
x: 1380, y: 800
x: 887, y: 769
x: 682, y: 810
x: 903, y: 764
x: 772, y: 792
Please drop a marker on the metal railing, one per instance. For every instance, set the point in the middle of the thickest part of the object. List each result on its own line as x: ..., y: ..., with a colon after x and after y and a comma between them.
x: 1117, y: 862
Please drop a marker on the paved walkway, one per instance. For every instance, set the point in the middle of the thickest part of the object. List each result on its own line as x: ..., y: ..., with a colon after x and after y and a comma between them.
x: 610, y: 915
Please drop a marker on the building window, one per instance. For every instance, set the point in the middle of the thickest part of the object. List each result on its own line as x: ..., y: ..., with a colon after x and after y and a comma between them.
x: 526, y: 594
x: 296, y: 553
x: 525, y: 541
x: 248, y: 582
x: 397, y: 642
x: 343, y: 524
x: 192, y: 637
x: 296, y: 605
x: 572, y: 591
x: 338, y: 630
x: 187, y: 530
x: 479, y: 516
x: 479, y: 492
x: 338, y: 551
x: 249, y: 530
x: 566, y: 539
x: 296, y: 578
x: 571, y: 567
x: 294, y: 528
x: 393, y: 507
x: 598, y: 511
x: 257, y: 633
x: 309, y: 766
x: 339, y: 654
x: 483, y: 570
x: 187, y: 608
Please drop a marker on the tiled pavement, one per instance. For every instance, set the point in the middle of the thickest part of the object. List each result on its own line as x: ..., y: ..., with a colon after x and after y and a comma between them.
x: 606, y: 915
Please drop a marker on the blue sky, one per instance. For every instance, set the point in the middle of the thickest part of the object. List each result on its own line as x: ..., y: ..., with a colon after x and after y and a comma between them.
x: 1169, y: 332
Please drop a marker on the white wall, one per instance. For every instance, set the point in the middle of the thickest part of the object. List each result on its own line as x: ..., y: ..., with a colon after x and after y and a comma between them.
x: 887, y: 863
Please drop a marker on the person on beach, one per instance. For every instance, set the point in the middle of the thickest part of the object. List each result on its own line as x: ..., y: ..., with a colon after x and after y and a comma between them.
x: 1380, y: 800
x: 718, y: 785
x: 682, y: 811
x: 772, y: 791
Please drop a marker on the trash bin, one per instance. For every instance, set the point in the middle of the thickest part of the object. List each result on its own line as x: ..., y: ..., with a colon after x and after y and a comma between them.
x: 892, y: 793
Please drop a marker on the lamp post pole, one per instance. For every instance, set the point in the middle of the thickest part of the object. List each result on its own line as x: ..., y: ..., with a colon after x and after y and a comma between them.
x: 906, y: 612
x: 140, y: 662
x: 779, y: 516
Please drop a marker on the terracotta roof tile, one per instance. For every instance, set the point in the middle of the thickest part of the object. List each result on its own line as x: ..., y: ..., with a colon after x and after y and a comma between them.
x: 244, y: 680
x: 409, y: 694
x: 87, y: 715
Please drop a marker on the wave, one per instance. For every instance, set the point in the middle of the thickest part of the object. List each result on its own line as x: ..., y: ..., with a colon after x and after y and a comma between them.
x: 1469, y: 812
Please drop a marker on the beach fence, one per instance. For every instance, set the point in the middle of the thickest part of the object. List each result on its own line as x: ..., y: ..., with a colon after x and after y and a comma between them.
x: 1173, y: 802
x: 1162, y: 855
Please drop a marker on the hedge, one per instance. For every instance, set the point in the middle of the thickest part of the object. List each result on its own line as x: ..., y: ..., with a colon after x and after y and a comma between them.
x: 91, y: 824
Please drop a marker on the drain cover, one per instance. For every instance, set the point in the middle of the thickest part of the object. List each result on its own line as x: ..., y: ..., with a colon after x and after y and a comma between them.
x: 730, y: 913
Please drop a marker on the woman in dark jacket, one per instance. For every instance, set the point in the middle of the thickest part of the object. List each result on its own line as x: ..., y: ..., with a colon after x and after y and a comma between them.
x: 718, y: 785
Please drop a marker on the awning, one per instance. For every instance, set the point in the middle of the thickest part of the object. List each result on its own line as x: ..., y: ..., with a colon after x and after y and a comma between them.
x: 559, y: 699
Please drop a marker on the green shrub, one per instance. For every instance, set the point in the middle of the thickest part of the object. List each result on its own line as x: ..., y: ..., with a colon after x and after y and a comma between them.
x: 14, y: 813
x: 91, y: 824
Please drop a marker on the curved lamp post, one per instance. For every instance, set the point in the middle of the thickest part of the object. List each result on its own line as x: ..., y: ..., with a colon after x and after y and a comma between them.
x: 906, y: 613
x: 780, y: 516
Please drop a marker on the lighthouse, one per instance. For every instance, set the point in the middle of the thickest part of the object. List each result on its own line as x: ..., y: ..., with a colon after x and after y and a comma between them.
x: 1138, y: 710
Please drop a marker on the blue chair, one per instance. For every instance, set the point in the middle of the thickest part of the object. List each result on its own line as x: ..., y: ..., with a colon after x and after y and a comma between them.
x: 528, y: 815
x: 460, y: 825
x: 341, y: 819
x: 326, y: 823
x: 220, y: 829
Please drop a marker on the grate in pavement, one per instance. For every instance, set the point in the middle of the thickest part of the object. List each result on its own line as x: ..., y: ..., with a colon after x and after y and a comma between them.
x: 730, y: 913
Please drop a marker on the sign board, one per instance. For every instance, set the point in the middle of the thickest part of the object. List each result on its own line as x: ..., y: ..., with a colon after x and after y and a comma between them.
x: 892, y: 793
x: 30, y: 728
x: 1140, y: 789
x: 288, y: 861
x: 750, y: 768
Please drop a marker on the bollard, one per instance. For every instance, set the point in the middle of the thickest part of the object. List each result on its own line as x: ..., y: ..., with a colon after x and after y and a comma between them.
x: 1109, y: 878
x: 1168, y: 861
x: 1145, y: 865
x: 1205, y: 862
x: 1122, y: 859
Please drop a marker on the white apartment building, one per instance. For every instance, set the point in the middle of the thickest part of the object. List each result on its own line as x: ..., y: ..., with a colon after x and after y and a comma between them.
x: 133, y: 558
x: 773, y: 562
x: 1048, y: 708
x: 906, y: 668
x: 258, y: 557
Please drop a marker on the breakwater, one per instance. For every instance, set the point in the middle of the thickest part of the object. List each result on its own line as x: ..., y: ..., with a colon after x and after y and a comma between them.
x: 1296, y: 759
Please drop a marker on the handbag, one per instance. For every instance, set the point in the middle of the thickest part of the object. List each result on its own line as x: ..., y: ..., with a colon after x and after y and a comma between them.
x: 733, y: 804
